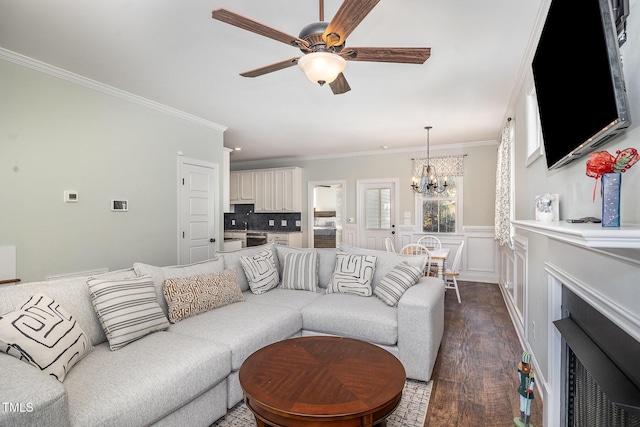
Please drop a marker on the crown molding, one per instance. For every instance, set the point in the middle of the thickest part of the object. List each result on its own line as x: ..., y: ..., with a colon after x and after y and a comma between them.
x: 45, y: 68
x: 462, y: 145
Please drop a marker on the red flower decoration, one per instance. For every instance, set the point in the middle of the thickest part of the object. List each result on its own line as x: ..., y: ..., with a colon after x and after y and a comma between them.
x: 601, y: 162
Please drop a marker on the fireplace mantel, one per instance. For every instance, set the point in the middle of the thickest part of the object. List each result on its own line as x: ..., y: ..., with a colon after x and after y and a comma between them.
x: 587, y: 235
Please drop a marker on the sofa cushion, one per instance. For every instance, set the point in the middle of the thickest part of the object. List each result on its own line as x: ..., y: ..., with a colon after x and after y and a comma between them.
x: 72, y: 293
x: 159, y: 274
x: 300, y: 271
x: 127, y: 309
x: 326, y: 260
x: 284, y: 297
x: 353, y: 274
x: 42, y: 333
x: 391, y: 288
x: 188, y: 296
x: 232, y: 261
x: 144, y: 381
x: 261, y: 271
x: 243, y: 327
x: 386, y: 261
x: 367, y: 319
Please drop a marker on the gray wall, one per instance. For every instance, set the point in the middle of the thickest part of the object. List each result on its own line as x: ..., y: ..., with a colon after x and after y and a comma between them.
x: 479, y: 177
x: 57, y: 135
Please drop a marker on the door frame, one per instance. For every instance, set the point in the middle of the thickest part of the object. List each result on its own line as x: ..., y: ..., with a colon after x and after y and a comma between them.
x: 310, y: 187
x: 360, y: 184
x: 216, y: 201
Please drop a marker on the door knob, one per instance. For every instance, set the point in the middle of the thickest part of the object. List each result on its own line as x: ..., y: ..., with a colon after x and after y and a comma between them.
x: 212, y: 240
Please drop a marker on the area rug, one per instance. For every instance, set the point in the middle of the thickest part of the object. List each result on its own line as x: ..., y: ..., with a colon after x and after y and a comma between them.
x: 411, y: 411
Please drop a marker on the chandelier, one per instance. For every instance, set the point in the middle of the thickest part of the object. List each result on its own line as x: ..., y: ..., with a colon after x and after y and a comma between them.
x: 427, y: 183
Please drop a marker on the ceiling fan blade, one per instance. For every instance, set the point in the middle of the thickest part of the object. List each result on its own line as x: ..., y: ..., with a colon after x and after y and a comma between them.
x: 271, y: 68
x: 404, y: 55
x: 340, y: 85
x: 256, y: 27
x: 350, y: 14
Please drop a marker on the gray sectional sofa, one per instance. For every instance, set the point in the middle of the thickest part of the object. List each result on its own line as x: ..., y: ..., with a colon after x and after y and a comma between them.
x: 187, y: 374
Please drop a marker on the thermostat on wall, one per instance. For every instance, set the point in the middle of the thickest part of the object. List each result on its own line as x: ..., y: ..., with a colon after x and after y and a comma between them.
x: 119, y: 205
x: 70, y: 196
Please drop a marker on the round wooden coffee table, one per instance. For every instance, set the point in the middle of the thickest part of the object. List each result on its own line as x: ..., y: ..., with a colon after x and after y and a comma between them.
x: 322, y: 381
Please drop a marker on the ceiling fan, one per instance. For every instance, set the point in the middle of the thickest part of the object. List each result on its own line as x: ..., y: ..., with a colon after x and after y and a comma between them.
x: 323, y: 45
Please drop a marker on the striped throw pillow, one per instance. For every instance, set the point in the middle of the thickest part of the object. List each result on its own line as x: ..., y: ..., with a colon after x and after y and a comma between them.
x: 300, y: 271
x: 353, y: 274
x: 396, y: 282
x: 127, y: 309
x: 43, y: 334
x: 261, y: 271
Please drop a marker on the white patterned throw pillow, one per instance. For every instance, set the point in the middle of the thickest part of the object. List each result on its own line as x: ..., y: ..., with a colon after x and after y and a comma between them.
x: 300, y: 271
x: 127, y: 309
x: 353, y: 274
x: 391, y: 288
x: 43, y: 334
x: 261, y: 271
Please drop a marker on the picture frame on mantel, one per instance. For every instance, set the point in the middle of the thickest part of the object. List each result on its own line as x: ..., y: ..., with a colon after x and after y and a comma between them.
x: 547, y: 207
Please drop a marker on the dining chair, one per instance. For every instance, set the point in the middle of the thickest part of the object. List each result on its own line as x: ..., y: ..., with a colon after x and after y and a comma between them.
x: 450, y: 275
x: 388, y: 244
x: 431, y: 242
x: 418, y: 249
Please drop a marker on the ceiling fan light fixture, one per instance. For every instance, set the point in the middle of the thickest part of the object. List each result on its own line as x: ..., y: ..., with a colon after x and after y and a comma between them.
x: 322, y: 67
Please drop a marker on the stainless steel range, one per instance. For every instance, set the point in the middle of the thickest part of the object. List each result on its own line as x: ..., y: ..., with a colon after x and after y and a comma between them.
x: 256, y: 238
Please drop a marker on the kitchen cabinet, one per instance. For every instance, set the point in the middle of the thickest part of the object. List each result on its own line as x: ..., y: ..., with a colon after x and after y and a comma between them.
x: 288, y: 190
x: 287, y: 239
x: 264, y: 191
x: 278, y: 190
x: 241, y: 187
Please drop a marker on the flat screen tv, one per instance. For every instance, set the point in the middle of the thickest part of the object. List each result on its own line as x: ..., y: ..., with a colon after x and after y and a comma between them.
x: 578, y: 79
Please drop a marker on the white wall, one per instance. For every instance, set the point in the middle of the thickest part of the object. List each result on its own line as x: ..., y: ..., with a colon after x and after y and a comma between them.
x: 57, y: 135
x: 613, y: 273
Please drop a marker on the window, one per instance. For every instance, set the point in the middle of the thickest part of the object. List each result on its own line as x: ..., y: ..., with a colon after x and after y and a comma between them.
x: 378, y: 209
x: 440, y: 211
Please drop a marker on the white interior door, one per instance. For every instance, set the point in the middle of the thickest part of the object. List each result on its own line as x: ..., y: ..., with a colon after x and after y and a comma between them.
x: 198, y: 208
x: 377, y: 205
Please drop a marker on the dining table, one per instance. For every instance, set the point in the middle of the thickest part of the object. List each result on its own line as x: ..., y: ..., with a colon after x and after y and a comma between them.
x: 439, y: 257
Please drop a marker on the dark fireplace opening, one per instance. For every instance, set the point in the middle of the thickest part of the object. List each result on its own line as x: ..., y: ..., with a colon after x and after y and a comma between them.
x: 600, y: 368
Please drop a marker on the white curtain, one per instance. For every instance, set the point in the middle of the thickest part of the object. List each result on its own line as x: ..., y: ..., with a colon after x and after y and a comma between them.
x: 503, y: 187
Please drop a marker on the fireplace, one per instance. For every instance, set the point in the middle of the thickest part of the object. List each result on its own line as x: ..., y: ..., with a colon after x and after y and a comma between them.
x: 600, y: 368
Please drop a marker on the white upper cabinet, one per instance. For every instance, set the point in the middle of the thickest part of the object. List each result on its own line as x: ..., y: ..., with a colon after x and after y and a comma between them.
x: 271, y: 190
x: 241, y: 188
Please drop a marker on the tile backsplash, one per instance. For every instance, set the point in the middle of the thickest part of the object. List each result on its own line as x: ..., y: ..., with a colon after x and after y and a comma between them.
x: 246, y: 219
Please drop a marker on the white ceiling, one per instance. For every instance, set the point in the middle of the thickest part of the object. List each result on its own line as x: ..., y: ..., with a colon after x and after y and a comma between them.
x: 172, y: 52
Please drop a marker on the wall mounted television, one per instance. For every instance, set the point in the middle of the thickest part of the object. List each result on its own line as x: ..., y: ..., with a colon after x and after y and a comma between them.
x: 578, y: 78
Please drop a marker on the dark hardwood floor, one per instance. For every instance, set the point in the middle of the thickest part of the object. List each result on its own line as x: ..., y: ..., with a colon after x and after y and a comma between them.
x: 475, y: 379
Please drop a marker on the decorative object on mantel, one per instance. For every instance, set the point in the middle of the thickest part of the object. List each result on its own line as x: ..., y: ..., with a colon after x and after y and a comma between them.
x: 547, y: 207
x: 602, y: 164
x: 427, y: 182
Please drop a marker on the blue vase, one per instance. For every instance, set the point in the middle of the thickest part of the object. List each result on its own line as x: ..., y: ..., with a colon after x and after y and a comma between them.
x: 611, y: 199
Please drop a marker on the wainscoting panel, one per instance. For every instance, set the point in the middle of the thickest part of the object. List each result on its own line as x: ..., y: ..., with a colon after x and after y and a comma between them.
x: 480, y: 256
